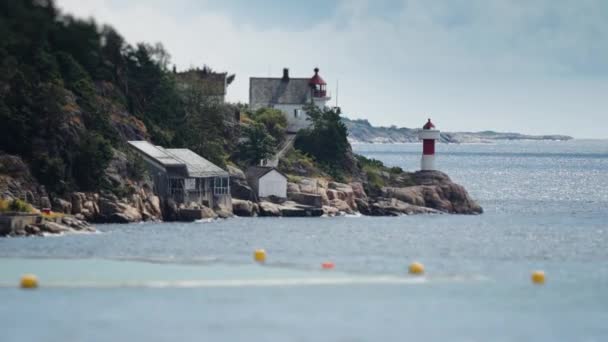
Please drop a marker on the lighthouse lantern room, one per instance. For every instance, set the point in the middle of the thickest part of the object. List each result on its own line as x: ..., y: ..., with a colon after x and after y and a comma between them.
x: 429, y: 134
x: 319, y: 89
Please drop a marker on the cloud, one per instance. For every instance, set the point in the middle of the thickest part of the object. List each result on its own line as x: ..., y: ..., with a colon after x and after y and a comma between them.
x: 475, y: 65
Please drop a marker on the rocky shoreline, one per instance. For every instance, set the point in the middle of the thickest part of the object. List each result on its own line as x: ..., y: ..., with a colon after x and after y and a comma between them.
x: 405, y: 193
x: 432, y: 192
x: 19, y: 224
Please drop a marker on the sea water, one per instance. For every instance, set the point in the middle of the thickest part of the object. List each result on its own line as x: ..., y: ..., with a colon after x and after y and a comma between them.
x: 546, y: 207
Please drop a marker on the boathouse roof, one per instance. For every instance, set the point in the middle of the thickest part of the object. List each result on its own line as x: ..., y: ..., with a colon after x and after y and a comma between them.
x: 193, y: 165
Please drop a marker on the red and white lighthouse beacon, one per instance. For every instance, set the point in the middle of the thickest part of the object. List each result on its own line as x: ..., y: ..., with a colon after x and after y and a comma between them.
x: 428, y: 135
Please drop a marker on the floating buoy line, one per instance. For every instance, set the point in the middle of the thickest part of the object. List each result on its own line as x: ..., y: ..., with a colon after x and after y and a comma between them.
x: 30, y: 281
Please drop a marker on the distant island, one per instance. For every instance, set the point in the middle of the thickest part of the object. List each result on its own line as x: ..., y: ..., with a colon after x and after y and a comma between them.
x: 362, y: 131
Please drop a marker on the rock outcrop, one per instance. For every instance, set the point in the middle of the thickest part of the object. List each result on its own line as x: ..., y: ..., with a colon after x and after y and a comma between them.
x: 289, y: 209
x: 239, y: 188
x: 16, y: 181
x: 436, y: 191
x: 244, y: 208
x: 15, y: 225
x: 429, y: 192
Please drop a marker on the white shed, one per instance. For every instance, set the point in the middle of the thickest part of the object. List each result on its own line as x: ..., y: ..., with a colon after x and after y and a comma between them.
x: 267, y: 181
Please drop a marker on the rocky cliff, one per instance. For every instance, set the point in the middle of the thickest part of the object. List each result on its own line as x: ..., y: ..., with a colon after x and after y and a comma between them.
x: 137, y: 203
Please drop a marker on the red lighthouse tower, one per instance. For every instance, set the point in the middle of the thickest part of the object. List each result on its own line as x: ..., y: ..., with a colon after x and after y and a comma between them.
x: 428, y: 135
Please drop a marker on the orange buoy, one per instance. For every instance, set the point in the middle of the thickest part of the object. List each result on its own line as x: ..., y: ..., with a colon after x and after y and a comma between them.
x: 28, y: 281
x: 328, y: 265
x: 416, y: 268
x: 259, y: 255
x: 538, y: 277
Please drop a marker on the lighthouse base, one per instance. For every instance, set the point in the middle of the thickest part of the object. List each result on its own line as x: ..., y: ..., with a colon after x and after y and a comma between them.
x: 428, y: 162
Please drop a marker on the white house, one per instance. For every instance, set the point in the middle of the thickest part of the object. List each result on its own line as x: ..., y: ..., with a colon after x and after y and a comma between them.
x: 289, y: 95
x: 267, y: 181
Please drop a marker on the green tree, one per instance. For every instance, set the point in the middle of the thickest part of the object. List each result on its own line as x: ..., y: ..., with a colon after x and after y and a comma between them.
x: 326, y: 141
x: 203, y: 127
x: 93, y: 158
x: 256, y: 145
x: 274, y: 121
x: 50, y: 172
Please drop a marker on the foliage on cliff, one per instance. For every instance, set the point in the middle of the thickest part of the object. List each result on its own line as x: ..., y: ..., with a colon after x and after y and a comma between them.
x: 326, y: 141
x: 273, y: 120
x: 378, y: 175
x: 257, y: 144
x: 71, y: 92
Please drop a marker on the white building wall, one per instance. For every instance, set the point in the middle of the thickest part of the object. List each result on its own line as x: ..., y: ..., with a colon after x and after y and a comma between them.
x: 295, y: 115
x: 272, y: 184
x: 321, y: 102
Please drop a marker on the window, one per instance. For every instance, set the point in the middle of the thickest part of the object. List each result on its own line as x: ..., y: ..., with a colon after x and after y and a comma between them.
x: 190, y: 184
x: 295, y: 113
x: 221, y: 186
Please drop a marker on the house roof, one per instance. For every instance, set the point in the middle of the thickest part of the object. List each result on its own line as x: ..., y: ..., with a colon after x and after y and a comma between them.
x: 157, y: 153
x: 195, y: 165
x: 257, y: 172
x: 266, y: 91
x: 316, y: 79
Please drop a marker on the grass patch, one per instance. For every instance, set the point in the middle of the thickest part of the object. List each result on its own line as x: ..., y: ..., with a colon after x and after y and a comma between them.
x: 298, y: 164
x: 373, y: 168
x: 379, y: 175
x: 294, y: 179
x: 15, y: 205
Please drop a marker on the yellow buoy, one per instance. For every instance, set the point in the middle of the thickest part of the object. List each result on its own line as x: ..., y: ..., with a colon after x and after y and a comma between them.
x: 416, y: 268
x: 259, y: 255
x: 29, y: 281
x: 538, y: 277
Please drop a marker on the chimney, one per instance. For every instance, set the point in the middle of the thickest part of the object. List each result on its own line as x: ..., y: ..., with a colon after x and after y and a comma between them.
x: 285, y: 74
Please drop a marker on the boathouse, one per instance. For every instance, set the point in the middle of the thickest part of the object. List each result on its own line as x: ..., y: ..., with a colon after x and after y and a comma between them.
x: 184, y: 176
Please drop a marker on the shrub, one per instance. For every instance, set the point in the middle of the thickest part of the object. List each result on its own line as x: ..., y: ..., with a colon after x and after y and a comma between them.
x: 395, y: 170
x: 274, y: 121
x: 372, y: 168
x: 50, y: 172
x: 136, y: 166
x: 20, y: 206
x: 326, y: 141
x: 299, y: 163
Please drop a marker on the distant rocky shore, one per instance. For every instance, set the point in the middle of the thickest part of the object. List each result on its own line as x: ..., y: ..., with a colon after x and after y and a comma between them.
x: 361, y: 131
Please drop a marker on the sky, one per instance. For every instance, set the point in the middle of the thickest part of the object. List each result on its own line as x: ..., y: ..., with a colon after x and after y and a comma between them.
x: 528, y: 66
